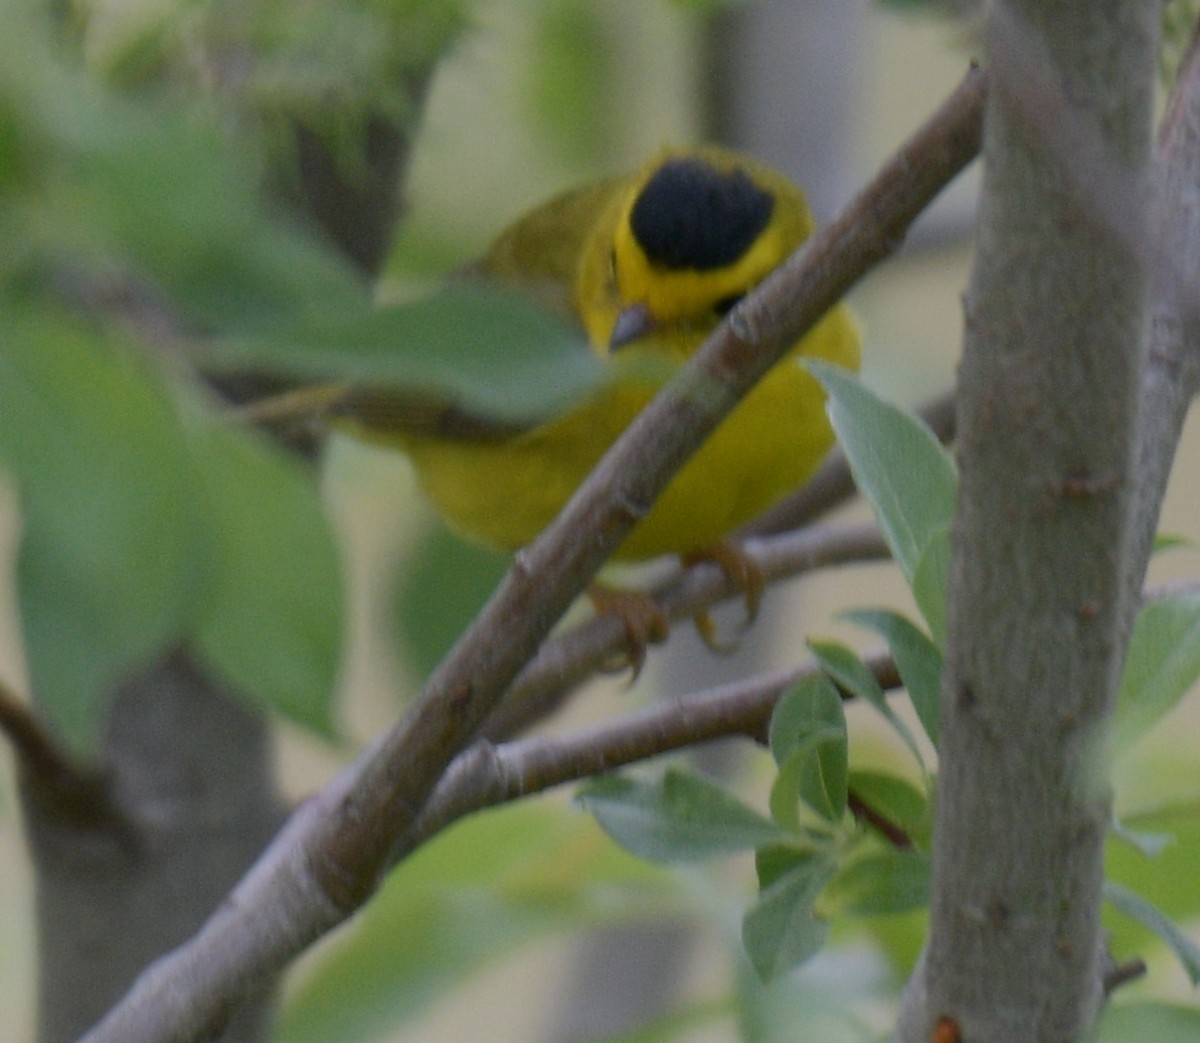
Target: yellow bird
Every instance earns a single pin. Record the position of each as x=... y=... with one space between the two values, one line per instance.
x=647 y=264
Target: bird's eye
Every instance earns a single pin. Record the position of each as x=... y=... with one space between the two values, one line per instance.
x=726 y=304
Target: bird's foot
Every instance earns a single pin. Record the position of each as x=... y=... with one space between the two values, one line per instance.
x=641 y=617
x=745 y=574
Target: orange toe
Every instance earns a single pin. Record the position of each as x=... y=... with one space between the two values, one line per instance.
x=641 y=617
x=744 y=573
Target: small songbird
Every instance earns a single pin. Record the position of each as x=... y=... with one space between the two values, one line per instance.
x=647 y=265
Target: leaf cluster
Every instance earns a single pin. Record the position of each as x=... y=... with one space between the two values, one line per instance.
x=852 y=841
x=139 y=258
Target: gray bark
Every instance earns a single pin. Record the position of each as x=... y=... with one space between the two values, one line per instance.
x=1041 y=589
x=189 y=807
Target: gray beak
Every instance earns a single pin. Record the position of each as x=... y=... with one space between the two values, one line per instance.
x=634 y=321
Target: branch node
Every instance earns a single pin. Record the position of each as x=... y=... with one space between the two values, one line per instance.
x=1119 y=974
x=65 y=790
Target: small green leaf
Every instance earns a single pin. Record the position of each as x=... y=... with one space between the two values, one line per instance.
x=273 y=617
x=775 y=861
x=1161 y=665
x=808 y=740
x=813 y=776
x=677 y=817
x=930 y=584
x=896 y=800
x=880 y=884
x=811 y=708
x=782 y=931
x=897 y=464
x=113 y=547
x=1149 y=916
x=917 y=659
x=852 y=674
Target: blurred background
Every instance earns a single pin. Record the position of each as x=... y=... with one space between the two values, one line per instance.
x=535 y=97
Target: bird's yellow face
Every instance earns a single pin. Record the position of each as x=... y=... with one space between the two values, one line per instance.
x=676 y=251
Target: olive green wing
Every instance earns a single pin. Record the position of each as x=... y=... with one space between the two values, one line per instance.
x=539 y=253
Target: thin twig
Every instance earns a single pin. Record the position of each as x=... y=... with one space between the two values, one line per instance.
x=487 y=774
x=568 y=660
x=38 y=755
x=63 y=788
x=878 y=821
x=1122 y=974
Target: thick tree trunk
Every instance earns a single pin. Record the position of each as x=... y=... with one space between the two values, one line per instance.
x=189 y=805
x=1041 y=597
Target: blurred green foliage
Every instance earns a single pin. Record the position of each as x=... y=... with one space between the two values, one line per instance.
x=140 y=252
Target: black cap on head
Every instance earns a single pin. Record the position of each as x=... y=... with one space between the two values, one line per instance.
x=691 y=215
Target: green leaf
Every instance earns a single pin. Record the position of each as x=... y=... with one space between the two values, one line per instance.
x=775 y=861
x=1149 y=916
x=782 y=930
x=273 y=616
x=476 y=345
x=116 y=185
x=896 y=800
x=677 y=817
x=897 y=464
x=486 y=886
x=1160 y=1022
x=814 y=776
x=917 y=659
x=808 y=740
x=879 y=884
x=811 y=708
x=852 y=674
x=1161 y=665
x=930 y=583
x=113 y=547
